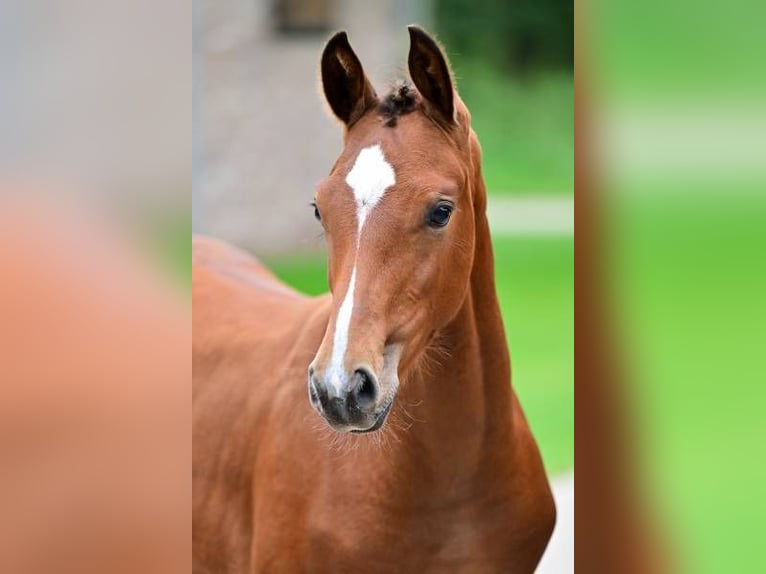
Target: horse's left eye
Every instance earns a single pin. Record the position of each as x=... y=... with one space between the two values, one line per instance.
x=440 y=214
x=317 y=215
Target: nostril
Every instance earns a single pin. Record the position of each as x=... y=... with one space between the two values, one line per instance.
x=367 y=390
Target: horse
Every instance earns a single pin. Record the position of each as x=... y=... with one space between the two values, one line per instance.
x=372 y=429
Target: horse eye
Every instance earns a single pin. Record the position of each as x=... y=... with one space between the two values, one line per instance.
x=440 y=214
x=317 y=215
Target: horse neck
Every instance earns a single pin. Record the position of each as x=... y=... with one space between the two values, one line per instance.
x=459 y=398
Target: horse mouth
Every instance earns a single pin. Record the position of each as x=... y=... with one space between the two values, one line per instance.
x=379 y=420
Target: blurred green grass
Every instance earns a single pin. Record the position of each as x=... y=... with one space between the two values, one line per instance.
x=525 y=126
x=693 y=51
x=689 y=279
x=535 y=287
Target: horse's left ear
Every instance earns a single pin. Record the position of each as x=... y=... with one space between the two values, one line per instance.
x=346 y=87
x=430 y=73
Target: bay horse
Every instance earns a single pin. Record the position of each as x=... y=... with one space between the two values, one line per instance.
x=373 y=429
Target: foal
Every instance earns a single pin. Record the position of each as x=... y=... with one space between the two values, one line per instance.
x=412 y=332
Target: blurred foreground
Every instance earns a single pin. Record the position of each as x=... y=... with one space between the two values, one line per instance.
x=95 y=404
x=670 y=288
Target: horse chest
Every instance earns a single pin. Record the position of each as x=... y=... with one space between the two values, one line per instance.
x=455 y=538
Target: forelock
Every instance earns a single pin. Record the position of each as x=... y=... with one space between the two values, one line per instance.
x=402 y=99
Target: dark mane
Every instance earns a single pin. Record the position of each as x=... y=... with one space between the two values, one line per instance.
x=402 y=99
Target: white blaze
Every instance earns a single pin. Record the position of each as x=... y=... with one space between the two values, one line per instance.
x=369 y=179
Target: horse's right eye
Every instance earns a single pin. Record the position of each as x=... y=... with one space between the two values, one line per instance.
x=317 y=215
x=440 y=214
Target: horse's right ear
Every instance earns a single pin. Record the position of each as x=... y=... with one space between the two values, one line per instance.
x=346 y=87
x=430 y=72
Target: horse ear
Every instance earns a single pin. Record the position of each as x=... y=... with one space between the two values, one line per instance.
x=346 y=87
x=430 y=72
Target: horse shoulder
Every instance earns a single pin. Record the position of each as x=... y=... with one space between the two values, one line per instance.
x=253 y=338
